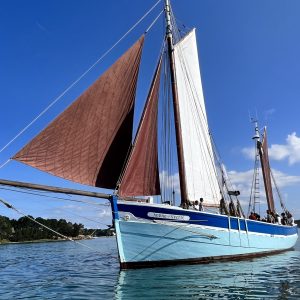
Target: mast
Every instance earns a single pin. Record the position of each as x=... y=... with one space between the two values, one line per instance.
x=255 y=184
x=262 y=147
x=182 y=175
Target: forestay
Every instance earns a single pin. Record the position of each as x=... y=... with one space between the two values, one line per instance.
x=201 y=177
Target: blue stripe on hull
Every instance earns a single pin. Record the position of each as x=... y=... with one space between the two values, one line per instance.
x=202 y=218
x=144 y=240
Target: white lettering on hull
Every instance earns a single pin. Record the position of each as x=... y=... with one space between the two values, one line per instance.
x=167 y=216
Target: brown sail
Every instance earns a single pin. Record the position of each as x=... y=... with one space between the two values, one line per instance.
x=89 y=141
x=141 y=176
x=265 y=165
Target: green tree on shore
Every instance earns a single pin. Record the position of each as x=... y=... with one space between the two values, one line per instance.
x=25 y=229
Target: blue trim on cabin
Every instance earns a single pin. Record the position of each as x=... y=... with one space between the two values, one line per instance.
x=213 y=220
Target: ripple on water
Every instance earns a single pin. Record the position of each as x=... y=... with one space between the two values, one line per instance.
x=68 y=271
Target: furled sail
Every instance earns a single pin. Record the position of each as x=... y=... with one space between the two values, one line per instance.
x=141 y=175
x=201 y=177
x=89 y=141
x=265 y=165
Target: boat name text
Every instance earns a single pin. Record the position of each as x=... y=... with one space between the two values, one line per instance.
x=167 y=216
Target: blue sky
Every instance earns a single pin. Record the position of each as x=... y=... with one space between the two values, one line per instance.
x=249 y=56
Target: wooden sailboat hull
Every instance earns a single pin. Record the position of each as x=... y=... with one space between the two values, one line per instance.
x=157 y=235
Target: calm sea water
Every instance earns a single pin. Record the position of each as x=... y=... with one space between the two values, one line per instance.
x=66 y=270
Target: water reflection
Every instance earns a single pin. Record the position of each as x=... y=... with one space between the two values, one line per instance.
x=272 y=277
x=65 y=271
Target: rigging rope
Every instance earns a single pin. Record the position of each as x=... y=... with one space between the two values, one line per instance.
x=198 y=123
x=154 y=22
x=225 y=180
x=278 y=192
x=8 y=205
x=167 y=116
x=86 y=218
x=5 y=163
x=77 y=80
x=40 y=194
x=53 y=197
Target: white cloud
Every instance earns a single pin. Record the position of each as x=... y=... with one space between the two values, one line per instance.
x=242 y=181
x=284 y=180
x=249 y=152
x=289 y=151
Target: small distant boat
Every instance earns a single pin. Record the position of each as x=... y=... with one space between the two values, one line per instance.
x=91 y=143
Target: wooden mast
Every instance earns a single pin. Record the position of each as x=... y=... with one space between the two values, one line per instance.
x=182 y=175
x=265 y=166
x=262 y=148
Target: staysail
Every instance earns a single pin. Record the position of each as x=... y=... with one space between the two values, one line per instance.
x=265 y=165
x=201 y=177
x=89 y=141
x=141 y=175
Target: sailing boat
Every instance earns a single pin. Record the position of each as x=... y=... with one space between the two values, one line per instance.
x=91 y=143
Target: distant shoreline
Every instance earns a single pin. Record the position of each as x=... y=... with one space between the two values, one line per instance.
x=5 y=242
x=30 y=242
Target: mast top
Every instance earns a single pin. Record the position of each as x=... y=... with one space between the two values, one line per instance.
x=168 y=19
x=256 y=136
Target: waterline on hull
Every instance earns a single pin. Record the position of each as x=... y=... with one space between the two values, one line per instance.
x=203 y=260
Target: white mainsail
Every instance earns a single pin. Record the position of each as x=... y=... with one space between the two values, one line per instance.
x=200 y=170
